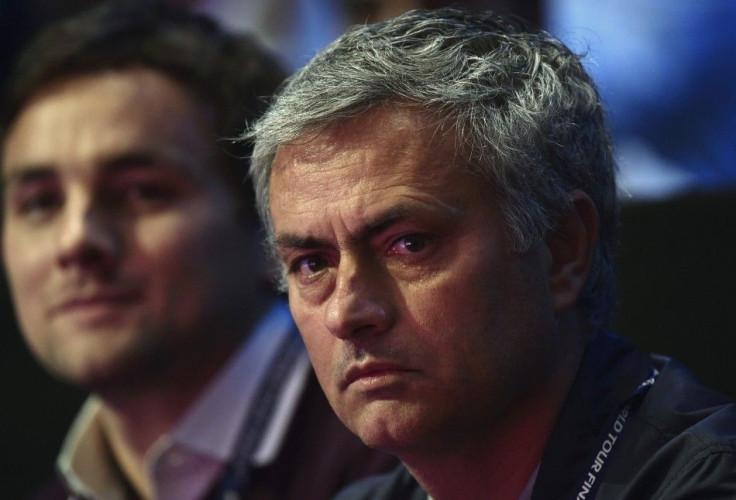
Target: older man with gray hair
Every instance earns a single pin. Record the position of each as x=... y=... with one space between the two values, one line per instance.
x=440 y=190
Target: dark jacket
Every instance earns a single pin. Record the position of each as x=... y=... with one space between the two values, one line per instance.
x=678 y=439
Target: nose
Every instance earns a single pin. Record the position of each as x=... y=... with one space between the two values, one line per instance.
x=360 y=302
x=87 y=238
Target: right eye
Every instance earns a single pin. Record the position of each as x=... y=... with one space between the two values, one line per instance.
x=310 y=266
x=146 y=194
x=38 y=203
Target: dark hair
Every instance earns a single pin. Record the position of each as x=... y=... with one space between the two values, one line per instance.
x=526 y=114
x=229 y=73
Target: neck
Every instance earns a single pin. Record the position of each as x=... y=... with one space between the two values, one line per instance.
x=130 y=437
x=501 y=463
x=136 y=414
x=504 y=459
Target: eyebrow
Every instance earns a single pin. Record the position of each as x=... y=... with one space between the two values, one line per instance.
x=370 y=229
x=165 y=160
x=294 y=241
x=115 y=163
x=31 y=173
x=384 y=220
x=131 y=160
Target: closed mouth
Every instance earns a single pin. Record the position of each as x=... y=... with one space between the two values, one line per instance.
x=96 y=300
x=372 y=370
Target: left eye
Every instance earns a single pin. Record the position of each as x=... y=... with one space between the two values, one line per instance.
x=150 y=192
x=409 y=244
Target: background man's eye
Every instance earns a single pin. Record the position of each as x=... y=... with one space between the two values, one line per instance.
x=150 y=192
x=39 y=204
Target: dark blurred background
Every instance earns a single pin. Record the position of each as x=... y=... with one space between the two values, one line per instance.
x=665 y=71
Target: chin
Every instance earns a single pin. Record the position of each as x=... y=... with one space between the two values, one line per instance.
x=388 y=428
x=92 y=377
x=100 y=372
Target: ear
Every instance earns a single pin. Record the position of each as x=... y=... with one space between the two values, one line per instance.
x=572 y=244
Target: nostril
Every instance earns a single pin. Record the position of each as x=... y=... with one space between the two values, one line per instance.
x=82 y=255
x=354 y=313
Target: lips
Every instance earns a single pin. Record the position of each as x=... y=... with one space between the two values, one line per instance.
x=95 y=301
x=373 y=373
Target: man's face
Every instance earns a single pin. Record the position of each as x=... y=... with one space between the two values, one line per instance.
x=121 y=244
x=422 y=324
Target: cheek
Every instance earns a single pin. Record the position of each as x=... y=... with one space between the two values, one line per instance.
x=166 y=241
x=319 y=342
x=28 y=267
x=445 y=307
x=177 y=259
x=25 y=256
x=457 y=319
x=179 y=248
x=28 y=272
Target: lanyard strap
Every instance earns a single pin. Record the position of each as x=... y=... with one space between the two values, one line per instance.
x=589 y=483
x=237 y=475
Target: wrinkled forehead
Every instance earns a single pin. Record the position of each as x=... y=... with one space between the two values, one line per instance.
x=386 y=152
x=405 y=129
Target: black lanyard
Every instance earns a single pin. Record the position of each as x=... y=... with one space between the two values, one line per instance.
x=589 y=483
x=237 y=475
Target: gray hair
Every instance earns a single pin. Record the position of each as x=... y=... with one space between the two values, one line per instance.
x=527 y=117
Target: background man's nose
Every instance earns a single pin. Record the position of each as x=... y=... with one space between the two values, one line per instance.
x=87 y=238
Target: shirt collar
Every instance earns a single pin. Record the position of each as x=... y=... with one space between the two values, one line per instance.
x=85 y=461
x=210 y=427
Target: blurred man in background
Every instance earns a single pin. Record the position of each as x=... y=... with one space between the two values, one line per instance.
x=134 y=263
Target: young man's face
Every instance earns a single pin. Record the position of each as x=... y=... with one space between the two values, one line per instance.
x=122 y=245
x=421 y=322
